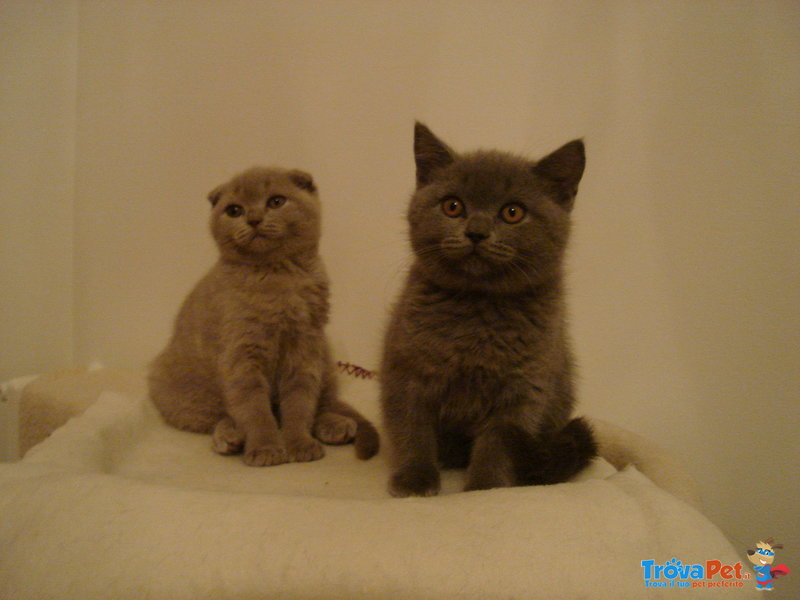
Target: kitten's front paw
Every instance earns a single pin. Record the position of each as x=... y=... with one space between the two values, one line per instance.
x=227 y=439
x=334 y=429
x=304 y=450
x=418 y=480
x=265 y=455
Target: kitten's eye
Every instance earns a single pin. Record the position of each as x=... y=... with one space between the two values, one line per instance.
x=276 y=201
x=512 y=213
x=234 y=210
x=452 y=207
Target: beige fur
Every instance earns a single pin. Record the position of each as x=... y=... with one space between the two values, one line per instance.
x=248 y=360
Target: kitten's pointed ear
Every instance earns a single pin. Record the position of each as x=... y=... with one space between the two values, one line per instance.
x=430 y=153
x=303 y=180
x=564 y=167
x=215 y=194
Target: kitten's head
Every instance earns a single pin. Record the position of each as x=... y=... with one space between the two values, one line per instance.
x=266 y=214
x=490 y=220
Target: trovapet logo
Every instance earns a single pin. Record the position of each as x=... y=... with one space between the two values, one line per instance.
x=710 y=574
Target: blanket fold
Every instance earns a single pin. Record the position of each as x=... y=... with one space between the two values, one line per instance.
x=115 y=504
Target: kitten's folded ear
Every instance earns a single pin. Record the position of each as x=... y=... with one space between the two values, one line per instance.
x=430 y=153
x=215 y=194
x=302 y=180
x=564 y=167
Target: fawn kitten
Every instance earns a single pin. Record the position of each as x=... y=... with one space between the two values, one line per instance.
x=249 y=360
x=477 y=371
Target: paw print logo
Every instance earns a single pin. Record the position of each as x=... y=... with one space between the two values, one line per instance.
x=672 y=568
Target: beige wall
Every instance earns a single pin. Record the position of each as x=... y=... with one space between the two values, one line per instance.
x=684 y=269
x=38 y=69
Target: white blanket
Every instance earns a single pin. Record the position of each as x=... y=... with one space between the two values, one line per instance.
x=117 y=505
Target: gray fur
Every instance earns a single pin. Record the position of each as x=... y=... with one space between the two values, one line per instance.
x=248 y=360
x=476 y=350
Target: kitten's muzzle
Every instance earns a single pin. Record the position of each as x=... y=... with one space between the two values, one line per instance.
x=271 y=231
x=479 y=227
x=476 y=237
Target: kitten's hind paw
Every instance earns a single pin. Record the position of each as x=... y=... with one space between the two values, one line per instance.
x=304 y=450
x=418 y=480
x=331 y=428
x=265 y=456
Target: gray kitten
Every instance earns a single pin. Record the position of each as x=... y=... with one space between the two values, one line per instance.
x=477 y=370
x=249 y=360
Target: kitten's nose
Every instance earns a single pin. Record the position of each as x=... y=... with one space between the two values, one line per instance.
x=478 y=228
x=476 y=236
x=254 y=221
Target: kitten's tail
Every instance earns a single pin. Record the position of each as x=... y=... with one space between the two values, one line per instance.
x=554 y=457
x=367 y=441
